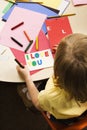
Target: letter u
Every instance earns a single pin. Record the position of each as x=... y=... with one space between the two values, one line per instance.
x=39 y=62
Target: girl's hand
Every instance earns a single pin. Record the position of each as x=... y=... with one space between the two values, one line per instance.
x=54 y=48
x=24 y=72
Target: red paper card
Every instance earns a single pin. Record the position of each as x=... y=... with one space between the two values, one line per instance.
x=57 y=28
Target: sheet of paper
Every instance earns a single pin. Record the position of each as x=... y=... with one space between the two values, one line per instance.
x=79 y=2
x=33 y=22
x=62 y=7
x=57 y=29
x=13 y=1
x=3 y=3
x=19 y=0
x=8 y=6
x=22 y=0
x=39 y=59
x=52 y=3
x=5 y=54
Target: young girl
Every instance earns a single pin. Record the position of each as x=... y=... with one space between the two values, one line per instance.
x=65 y=93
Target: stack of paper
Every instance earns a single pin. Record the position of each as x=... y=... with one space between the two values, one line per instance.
x=33 y=17
x=56 y=4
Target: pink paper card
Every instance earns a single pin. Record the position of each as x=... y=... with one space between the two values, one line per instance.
x=57 y=28
x=32 y=23
x=43 y=45
x=43 y=42
x=79 y=2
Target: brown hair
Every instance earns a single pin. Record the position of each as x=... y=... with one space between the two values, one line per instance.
x=70 y=66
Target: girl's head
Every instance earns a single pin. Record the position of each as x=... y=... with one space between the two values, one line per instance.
x=70 y=65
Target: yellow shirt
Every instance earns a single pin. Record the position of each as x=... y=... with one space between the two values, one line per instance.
x=57 y=102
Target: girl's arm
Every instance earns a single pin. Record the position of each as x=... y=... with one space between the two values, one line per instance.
x=33 y=92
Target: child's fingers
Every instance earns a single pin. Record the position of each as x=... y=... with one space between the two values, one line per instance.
x=54 y=48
